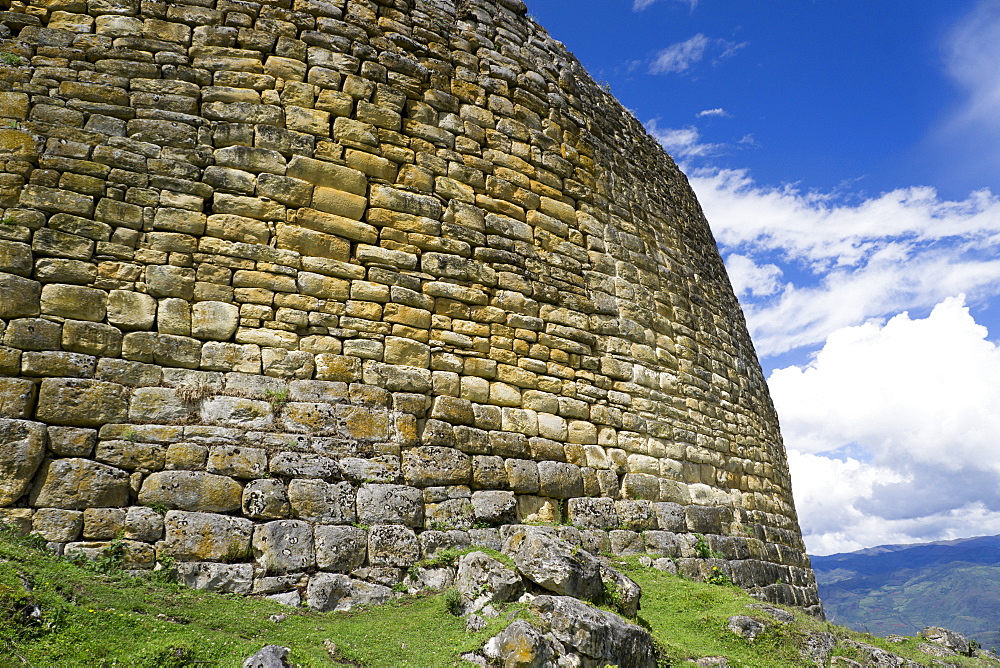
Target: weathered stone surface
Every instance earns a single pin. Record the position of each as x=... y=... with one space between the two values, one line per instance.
x=956 y=642
x=595 y=633
x=266 y=499
x=79 y=483
x=56 y=524
x=284 y=546
x=340 y=548
x=191 y=490
x=622 y=591
x=81 y=402
x=318 y=501
x=392 y=545
x=390 y=504
x=223 y=578
x=329 y=591
x=481 y=580
x=524 y=646
x=194 y=536
x=19 y=297
x=436 y=465
x=592 y=513
x=22 y=447
x=494 y=507
x=143 y=524
x=269 y=656
x=554 y=564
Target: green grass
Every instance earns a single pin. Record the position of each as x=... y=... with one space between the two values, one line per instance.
x=93 y=615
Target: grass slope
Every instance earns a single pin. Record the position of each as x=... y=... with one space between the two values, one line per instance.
x=90 y=618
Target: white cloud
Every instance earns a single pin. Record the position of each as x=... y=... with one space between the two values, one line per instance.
x=973 y=60
x=718 y=111
x=681 y=56
x=891 y=432
x=848 y=261
x=749 y=278
x=681 y=142
x=639 y=5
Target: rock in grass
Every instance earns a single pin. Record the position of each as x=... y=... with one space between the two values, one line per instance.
x=555 y=564
x=271 y=656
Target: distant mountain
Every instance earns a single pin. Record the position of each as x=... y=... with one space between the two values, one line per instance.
x=903 y=588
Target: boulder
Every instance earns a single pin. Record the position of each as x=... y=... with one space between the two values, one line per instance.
x=521 y=645
x=622 y=591
x=331 y=591
x=956 y=642
x=554 y=564
x=746 y=627
x=594 y=633
x=271 y=656
x=481 y=580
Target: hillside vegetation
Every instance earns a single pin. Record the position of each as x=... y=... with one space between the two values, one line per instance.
x=59 y=612
x=903 y=588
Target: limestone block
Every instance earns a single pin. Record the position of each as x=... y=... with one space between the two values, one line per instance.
x=522 y=475
x=75 y=484
x=494 y=507
x=16 y=258
x=197 y=536
x=237 y=412
x=33 y=334
x=237 y=461
x=73 y=301
x=170 y=281
x=489 y=472
x=281 y=363
x=453 y=410
x=342 y=368
x=266 y=498
x=340 y=549
x=304 y=465
x=333 y=592
x=670 y=516
x=191 y=490
x=641 y=486
x=338 y=225
x=339 y=202
x=662 y=543
x=392 y=545
x=395 y=378
x=520 y=421
x=131 y=455
x=22 y=447
x=53 y=199
x=318 y=501
x=218 y=356
x=435 y=465
x=560 y=480
x=361 y=423
x=47 y=241
x=91 y=338
x=284 y=546
x=71 y=441
x=592 y=513
x=214 y=321
x=382 y=469
x=636 y=515
x=144 y=524
x=222 y=578
x=57 y=525
x=55 y=363
x=390 y=504
x=131 y=310
x=103 y=523
x=707 y=519
x=158 y=405
x=81 y=402
x=17 y=398
x=532 y=509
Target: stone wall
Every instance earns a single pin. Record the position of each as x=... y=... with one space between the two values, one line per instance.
x=291 y=286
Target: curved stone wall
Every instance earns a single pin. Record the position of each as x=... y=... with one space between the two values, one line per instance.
x=296 y=285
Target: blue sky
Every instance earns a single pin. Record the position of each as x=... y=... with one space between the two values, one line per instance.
x=847 y=155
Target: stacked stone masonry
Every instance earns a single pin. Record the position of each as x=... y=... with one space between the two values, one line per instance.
x=321 y=286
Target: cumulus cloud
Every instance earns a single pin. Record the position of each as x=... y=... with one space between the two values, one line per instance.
x=891 y=432
x=750 y=278
x=849 y=261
